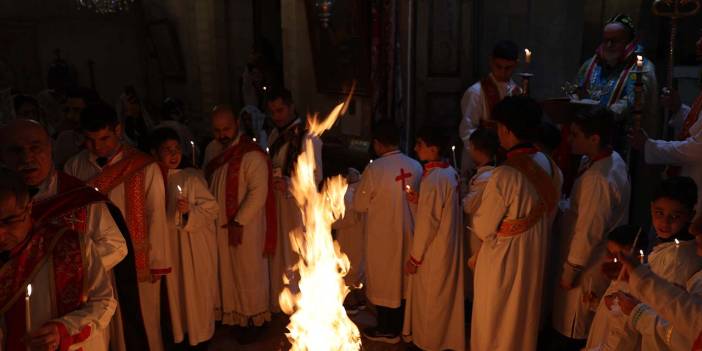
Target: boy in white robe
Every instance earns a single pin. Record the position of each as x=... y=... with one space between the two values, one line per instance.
x=620 y=240
x=599 y=202
x=351 y=236
x=482 y=148
x=513 y=222
x=481 y=97
x=673 y=257
x=239 y=173
x=191 y=213
x=434 y=316
x=389 y=225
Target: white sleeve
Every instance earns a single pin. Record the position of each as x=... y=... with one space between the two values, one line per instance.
x=203 y=205
x=429 y=209
x=365 y=191
x=254 y=168
x=157 y=224
x=96 y=313
x=682 y=152
x=472 y=115
x=594 y=212
x=471 y=201
x=493 y=205
x=109 y=240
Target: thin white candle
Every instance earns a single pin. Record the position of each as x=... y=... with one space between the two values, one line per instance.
x=268 y=151
x=641 y=256
x=408 y=188
x=527 y=56
x=192 y=145
x=677 y=243
x=28 y=309
x=639 y=62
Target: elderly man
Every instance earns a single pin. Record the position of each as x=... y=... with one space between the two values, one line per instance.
x=72 y=302
x=239 y=174
x=26 y=148
x=134 y=183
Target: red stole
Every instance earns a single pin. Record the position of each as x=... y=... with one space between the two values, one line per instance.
x=69 y=205
x=232 y=157
x=435 y=164
x=492 y=97
x=130 y=170
x=698 y=343
x=521 y=160
x=63 y=248
x=601 y=156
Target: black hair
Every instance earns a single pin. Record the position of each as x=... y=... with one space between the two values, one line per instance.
x=20 y=100
x=435 y=136
x=279 y=92
x=681 y=189
x=596 y=121
x=485 y=140
x=98 y=116
x=12 y=184
x=549 y=135
x=521 y=115
x=626 y=234
x=160 y=135
x=386 y=132
x=506 y=49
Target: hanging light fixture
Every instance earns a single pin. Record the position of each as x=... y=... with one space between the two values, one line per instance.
x=105 y=6
x=324 y=11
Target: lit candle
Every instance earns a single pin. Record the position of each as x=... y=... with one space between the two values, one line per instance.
x=677 y=243
x=371 y=161
x=615 y=260
x=254 y=140
x=268 y=151
x=641 y=256
x=265 y=88
x=639 y=62
x=453 y=155
x=180 y=190
x=28 y=310
x=96 y=189
x=192 y=145
x=408 y=188
x=527 y=56
x=179 y=216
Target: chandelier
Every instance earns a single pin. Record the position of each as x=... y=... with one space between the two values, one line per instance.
x=105 y=6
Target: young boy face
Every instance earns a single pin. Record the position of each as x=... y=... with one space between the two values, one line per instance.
x=426 y=152
x=477 y=155
x=169 y=154
x=669 y=216
x=579 y=142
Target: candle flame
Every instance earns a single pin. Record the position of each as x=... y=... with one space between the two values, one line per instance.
x=192 y=143
x=318 y=320
x=453 y=147
x=615 y=260
x=527 y=54
x=641 y=253
x=96 y=189
x=371 y=161
x=254 y=140
x=180 y=190
x=267 y=150
x=408 y=188
x=29 y=290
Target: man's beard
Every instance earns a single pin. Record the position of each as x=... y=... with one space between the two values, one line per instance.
x=611 y=58
x=225 y=141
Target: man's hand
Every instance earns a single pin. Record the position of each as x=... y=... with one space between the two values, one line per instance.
x=46 y=338
x=410 y=268
x=236 y=232
x=637 y=138
x=183 y=205
x=671 y=101
x=626 y=302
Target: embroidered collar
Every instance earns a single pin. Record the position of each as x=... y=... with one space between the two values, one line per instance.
x=434 y=164
x=523 y=148
x=591 y=161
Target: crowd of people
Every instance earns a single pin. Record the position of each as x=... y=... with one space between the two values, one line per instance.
x=112 y=237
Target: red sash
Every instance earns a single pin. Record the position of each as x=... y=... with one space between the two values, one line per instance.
x=232 y=158
x=698 y=343
x=69 y=205
x=130 y=170
x=64 y=248
x=492 y=97
x=537 y=177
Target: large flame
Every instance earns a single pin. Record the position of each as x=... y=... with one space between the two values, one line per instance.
x=318 y=321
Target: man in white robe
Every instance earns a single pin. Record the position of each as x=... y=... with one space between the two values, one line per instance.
x=70 y=302
x=239 y=173
x=134 y=183
x=481 y=97
x=191 y=212
x=434 y=317
x=381 y=194
x=285 y=143
x=599 y=202
x=513 y=222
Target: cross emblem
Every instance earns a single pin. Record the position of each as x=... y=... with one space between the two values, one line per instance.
x=402 y=176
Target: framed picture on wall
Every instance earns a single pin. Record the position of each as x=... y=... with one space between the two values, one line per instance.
x=340 y=38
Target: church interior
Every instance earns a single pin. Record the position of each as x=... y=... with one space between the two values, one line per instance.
x=406 y=61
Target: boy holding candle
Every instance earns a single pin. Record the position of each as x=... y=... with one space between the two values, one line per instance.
x=672 y=258
x=434 y=316
x=191 y=212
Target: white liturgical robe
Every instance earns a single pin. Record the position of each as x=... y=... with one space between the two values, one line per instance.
x=243 y=269
x=509 y=272
x=351 y=236
x=192 y=283
x=434 y=316
x=389 y=224
x=84 y=167
x=599 y=202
